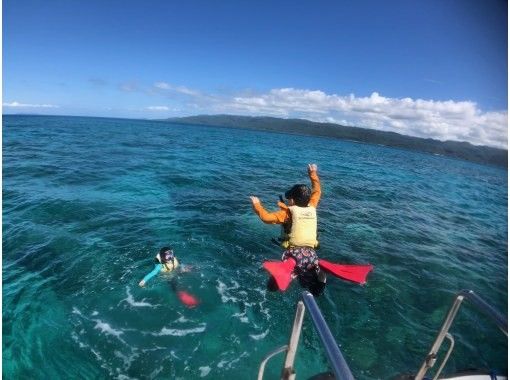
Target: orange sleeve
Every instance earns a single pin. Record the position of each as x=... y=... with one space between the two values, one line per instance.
x=316 y=189
x=277 y=217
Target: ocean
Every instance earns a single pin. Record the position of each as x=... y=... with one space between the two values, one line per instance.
x=88 y=202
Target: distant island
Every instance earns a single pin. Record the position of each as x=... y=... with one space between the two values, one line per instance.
x=455 y=149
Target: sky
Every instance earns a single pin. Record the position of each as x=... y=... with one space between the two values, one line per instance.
x=434 y=69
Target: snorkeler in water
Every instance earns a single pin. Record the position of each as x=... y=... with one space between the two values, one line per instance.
x=165 y=261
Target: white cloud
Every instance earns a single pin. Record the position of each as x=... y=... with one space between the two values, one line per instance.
x=178 y=89
x=162 y=85
x=26 y=105
x=436 y=119
x=442 y=120
x=158 y=108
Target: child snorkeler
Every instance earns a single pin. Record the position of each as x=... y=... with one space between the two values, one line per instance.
x=299 y=219
x=165 y=261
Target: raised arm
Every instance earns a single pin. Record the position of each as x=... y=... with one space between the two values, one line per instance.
x=277 y=217
x=155 y=271
x=316 y=185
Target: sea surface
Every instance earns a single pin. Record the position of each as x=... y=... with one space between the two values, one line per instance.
x=88 y=202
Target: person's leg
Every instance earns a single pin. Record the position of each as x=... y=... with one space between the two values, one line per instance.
x=173 y=283
x=314 y=281
x=317 y=287
x=271 y=284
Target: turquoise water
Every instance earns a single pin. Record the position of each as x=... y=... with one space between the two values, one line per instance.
x=87 y=202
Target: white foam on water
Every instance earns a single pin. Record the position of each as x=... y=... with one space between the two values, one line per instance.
x=259 y=336
x=130 y=300
x=229 y=364
x=127 y=273
x=181 y=332
x=174 y=355
x=124 y=377
x=235 y=339
x=204 y=371
x=262 y=291
x=75 y=337
x=107 y=329
x=94 y=313
x=98 y=356
x=197 y=347
x=182 y=319
x=265 y=310
x=244 y=354
x=125 y=358
x=157 y=348
x=242 y=317
x=155 y=373
x=223 y=289
x=103 y=362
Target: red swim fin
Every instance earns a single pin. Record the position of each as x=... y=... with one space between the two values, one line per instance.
x=281 y=271
x=187 y=299
x=354 y=273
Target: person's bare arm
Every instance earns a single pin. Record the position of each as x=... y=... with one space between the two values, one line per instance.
x=316 y=185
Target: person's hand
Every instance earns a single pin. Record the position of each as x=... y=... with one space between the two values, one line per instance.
x=186 y=269
x=142 y=283
x=254 y=200
x=312 y=168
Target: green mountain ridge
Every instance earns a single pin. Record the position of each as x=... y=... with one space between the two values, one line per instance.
x=456 y=149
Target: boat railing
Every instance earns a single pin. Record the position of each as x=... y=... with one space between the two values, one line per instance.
x=443 y=333
x=339 y=367
x=338 y=364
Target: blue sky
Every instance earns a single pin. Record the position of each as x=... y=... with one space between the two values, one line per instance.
x=426 y=68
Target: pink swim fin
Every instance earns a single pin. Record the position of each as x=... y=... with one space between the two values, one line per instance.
x=281 y=271
x=187 y=299
x=354 y=273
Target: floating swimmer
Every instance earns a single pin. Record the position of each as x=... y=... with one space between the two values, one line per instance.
x=165 y=261
x=299 y=237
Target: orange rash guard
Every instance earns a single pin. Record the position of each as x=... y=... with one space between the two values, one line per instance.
x=282 y=215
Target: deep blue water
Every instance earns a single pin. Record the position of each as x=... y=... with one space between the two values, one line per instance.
x=87 y=202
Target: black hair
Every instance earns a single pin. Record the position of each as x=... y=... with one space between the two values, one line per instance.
x=300 y=194
x=166 y=254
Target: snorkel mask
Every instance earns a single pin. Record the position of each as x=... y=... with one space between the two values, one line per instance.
x=166 y=254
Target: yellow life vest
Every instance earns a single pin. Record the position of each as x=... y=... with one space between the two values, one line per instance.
x=168 y=266
x=303 y=232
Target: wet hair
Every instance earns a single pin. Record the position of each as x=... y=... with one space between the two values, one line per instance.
x=166 y=254
x=300 y=194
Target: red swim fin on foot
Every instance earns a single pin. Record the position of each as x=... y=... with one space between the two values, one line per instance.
x=281 y=271
x=354 y=273
x=187 y=299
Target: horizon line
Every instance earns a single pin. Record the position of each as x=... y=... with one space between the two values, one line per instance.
x=248 y=116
